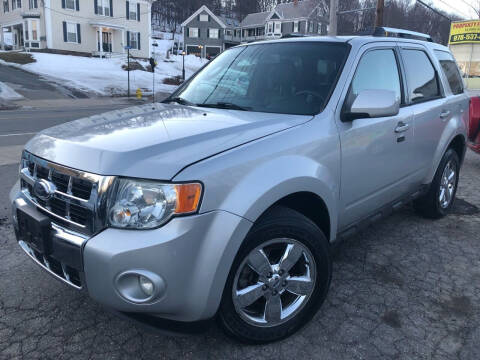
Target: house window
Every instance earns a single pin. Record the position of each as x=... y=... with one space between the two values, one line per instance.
x=72 y=35
x=103 y=7
x=203 y=17
x=26 y=30
x=5 y=6
x=213 y=33
x=295 y=26
x=16 y=4
x=132 y=11
x=133 y=40
x=310 y=27
x=70 y=4
x=228 y=32
x=35 y=30
x=319 y=28
x=270 y=27
x=278 y=27
x=193 y=32
x=33 y=4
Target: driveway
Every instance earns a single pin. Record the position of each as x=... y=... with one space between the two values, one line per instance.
x=405 y=288
x=35 y=87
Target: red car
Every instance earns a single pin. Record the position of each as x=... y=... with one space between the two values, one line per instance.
x=474 y=125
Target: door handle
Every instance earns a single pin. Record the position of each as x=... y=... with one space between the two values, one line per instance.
x=444 y=114
x=401 y=127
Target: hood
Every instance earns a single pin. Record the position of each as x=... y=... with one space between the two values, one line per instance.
x=153 y=141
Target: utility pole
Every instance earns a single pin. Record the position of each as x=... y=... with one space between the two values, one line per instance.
x=332 y=28
x=379 y=14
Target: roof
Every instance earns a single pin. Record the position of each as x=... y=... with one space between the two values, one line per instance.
x=291 y=10
x=255 y=19
x=294 y=11
x=209 y=12
x=229 y=22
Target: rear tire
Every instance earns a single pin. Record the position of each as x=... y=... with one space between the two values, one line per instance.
x=440 y=197
x=285 y=266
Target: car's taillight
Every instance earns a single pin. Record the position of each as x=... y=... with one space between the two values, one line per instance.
x=474 y=119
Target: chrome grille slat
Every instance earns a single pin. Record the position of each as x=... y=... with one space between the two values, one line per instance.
x=64 y=275
x=77 y=200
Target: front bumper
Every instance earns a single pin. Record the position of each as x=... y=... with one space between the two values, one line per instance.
x=190 y=257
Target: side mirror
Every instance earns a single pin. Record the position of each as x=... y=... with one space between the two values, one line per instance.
x=372 y=104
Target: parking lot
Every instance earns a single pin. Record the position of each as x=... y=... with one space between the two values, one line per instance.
x=404 y=288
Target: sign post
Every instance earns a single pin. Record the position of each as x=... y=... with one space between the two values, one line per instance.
x=128 y=67
x=153 y=64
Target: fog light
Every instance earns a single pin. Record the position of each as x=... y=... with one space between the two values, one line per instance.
x=146 y=285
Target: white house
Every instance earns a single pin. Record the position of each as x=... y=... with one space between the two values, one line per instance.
x=95 y=27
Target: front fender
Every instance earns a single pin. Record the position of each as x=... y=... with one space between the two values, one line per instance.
x=278 y=180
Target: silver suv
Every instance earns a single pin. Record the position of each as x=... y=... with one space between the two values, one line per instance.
x=225 y=200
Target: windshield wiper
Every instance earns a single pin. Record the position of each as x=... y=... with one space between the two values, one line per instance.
x=179 y=100
x=225 y=105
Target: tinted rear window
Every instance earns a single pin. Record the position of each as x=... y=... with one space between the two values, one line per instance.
x=450 y=69
x=421 y=77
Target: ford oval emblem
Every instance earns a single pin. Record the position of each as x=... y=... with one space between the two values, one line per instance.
x=43 y=189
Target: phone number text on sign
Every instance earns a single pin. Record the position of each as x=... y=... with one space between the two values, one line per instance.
x=465 y=37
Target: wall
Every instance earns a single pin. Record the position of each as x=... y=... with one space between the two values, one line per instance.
x=86 y=15
x=203 y=27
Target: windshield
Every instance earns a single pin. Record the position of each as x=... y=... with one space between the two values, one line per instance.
x=285 y=77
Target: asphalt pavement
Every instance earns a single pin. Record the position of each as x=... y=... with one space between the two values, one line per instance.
x=36 y=87
x=405 y=288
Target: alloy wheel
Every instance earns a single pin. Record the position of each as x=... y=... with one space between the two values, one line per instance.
x=448 y=182
x=274 y=282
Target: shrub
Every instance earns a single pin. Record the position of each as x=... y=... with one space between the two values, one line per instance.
x=175 y=80
x=17 y=57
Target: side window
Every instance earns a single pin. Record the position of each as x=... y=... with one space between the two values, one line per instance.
x=421 y=76
x=377 y=70
x=450 y=69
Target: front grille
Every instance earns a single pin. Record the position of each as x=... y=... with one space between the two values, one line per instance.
x=76 y=201
x=61 y=270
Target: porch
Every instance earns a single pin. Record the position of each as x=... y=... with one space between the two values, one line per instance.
x=110 y=40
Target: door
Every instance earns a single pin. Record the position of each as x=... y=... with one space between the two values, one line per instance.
x=425 y=96
x=376 y=164
x=107 y=41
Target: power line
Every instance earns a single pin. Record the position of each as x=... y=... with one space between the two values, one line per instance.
x=439 y=13
x=477 y=11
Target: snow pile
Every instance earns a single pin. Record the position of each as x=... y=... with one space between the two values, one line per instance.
x=106 y=76
x=7 y=93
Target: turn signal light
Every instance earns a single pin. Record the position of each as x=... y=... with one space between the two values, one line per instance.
x=188 y=197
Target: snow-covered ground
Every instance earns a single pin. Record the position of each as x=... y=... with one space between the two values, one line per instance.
x=7 y=93
x=106 y=76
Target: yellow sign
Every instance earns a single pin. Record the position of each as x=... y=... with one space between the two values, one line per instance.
x=462 y=32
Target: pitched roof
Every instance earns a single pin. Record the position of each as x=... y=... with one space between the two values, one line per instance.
x=255 y=19
x=208 y=11
x=230 y=22
x=291 y=10
x=299 y=10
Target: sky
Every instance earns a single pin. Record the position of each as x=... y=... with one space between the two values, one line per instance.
x=459 y=7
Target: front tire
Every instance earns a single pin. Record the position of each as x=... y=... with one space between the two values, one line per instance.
x=279 y=278
x=440 y=197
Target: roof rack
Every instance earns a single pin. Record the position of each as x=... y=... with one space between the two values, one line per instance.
x=392 y=32
x=400 y=33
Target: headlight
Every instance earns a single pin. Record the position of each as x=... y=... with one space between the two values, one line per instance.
x=145 y=204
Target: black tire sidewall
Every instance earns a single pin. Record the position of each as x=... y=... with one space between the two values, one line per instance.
x=450 y=155
x=290 y=224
